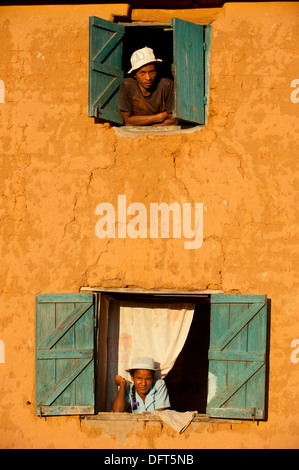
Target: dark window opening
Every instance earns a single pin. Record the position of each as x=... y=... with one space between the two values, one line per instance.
x=187 y=382
x=160 y=39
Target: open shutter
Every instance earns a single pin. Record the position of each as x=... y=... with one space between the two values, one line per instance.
x=65 y=354
x=189 y=72
x=237 y=356
x=105 y=69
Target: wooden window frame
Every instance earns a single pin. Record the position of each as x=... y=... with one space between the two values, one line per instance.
x=104 y=297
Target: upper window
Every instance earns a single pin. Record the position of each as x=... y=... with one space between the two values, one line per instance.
x=220 y=369
x=183 y=47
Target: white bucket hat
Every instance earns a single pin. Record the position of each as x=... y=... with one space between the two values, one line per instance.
x=143 y=363
x=142 y=57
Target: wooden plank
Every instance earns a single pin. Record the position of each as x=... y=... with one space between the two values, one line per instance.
x=112 y=42
x=107 y=69
x=228 y=336
x=84 y=334
x=237 y=298
x=152 y=130
x=257 y=335
x=64 y=326
x=106 y=94
x=151 y=417
x=217 y=369
x=247 y=413
x=238 y=344
x=67 y=340
x=65 y=410
x=45 y=354
x=208 y=33
x=103 y=354
x=44 y=370
x=146 y=25
x=239 y=356
x=105 y=24
x=228 y=391
x=55 y=298
x=64 y=382
x=132 y=290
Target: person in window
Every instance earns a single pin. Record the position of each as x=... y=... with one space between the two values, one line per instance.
x=145 y=99
x=144 y=393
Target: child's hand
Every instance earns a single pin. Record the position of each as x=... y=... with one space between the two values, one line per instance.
x=120 y=380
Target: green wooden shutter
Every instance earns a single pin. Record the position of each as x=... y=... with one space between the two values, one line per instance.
x=237 y=356
x=65 y=354
x=105 y=69
x=189 y=71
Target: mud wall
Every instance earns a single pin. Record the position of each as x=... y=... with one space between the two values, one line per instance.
x=57 y=165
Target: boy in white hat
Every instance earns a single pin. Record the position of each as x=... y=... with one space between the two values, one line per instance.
x=144 y=98
x=145 y=393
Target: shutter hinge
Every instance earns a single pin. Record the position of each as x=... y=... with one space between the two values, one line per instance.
x=205 y=100
x=95 y=322
x=205 y=46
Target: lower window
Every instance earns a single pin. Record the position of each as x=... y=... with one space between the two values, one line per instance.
x=212 y=350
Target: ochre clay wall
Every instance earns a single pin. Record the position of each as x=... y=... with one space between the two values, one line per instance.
x=57 y=165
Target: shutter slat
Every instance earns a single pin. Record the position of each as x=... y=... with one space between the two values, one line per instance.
x=240 y=356
x=237 y=299
x=237 y=341
x=64 y=298
x=64 y=353
x=245 y=413
x=66 y=410
x=107 y=70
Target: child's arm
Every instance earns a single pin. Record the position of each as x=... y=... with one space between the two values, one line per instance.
x=120 y=405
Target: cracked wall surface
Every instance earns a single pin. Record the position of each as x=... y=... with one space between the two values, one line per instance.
x=57 y=165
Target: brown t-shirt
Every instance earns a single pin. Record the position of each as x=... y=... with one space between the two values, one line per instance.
x=131 y=100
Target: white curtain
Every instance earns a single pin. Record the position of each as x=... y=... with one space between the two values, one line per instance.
x=155 y=330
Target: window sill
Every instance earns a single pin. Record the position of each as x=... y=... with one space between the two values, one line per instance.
x=138 y=131
x=148 y=417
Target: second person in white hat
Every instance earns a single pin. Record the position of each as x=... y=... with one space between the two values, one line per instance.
x=145 y=99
